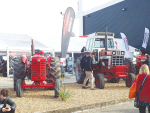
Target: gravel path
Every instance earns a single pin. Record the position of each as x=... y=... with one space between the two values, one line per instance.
x=41 y=99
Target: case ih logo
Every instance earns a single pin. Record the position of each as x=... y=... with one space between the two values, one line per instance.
x=146 y=36
x=126 y=43
x=67 y=23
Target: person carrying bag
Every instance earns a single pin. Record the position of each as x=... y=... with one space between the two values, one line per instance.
x=140 y=90
x=137 y=102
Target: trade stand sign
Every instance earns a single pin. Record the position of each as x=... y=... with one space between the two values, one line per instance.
x=62 y=61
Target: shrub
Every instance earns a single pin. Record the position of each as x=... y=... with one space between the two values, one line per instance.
x=63 y=94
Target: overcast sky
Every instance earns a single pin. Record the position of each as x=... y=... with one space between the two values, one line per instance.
x=39 y=18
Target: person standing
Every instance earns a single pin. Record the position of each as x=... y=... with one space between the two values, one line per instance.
x=147 y=61
x=144 y=94
x=5 y=100
x=89 y=71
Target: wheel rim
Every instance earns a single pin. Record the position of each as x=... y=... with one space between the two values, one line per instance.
x=97 y=82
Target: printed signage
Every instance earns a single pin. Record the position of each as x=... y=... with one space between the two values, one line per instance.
x=124 y=38
x=146 y=37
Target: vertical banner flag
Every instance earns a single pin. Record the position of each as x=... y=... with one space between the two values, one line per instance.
x=66 y=30
x=146 y=37
x=125 y=41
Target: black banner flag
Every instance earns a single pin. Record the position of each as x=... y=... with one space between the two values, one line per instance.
x=66 y=30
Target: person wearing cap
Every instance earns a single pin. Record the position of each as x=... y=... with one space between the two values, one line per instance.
x=89 y=71
x=147 y=61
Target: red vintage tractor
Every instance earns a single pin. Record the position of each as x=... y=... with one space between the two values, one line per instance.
x=108 y=63
x=140 y=58
x=44 y=72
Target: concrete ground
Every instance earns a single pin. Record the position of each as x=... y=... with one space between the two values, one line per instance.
x=69 y=78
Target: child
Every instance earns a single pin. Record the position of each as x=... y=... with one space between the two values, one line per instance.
x=5 y=100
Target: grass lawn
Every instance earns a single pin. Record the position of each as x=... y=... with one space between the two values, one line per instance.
x=1 y=75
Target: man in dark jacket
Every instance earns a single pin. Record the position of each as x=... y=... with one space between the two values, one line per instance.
x=83 y=61
x=5 y=100
x=89 y=71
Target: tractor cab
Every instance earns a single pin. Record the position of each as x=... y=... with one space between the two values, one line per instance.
x=96 y=43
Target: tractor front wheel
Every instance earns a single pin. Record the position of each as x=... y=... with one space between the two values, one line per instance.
x=99 y=81
x=19 y=91
x=57 y=85
x=130 y=68
x=80 y=74
x=130 y=79
x=14 y=83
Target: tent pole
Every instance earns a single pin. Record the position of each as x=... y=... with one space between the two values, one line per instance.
x=53 y=53
x=7 y=62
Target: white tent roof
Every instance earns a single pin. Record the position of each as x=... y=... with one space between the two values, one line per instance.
x=20 y=42
x=75 y=44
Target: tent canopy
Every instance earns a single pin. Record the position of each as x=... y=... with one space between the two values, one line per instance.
x=20 y=41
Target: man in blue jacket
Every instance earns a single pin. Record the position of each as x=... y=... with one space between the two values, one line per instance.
x=89 y=71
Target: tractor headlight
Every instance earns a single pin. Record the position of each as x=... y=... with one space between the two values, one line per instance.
x=122 y=52
x=113 y=52
x=38 y=60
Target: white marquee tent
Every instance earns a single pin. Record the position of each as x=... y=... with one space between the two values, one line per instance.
x=19 y=43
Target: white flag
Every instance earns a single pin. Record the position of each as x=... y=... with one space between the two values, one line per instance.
x=146 y=37
x=125 y=41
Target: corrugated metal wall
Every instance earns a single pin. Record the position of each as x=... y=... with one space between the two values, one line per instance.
x=132 y=21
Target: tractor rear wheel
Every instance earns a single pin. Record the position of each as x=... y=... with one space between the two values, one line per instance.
x=57 y=85
x=19 y=92
x=19 y=70
x=55 y=70
x=80 y=74
x=130 y=79
x=14 y=83
x=130 y=68
x=99 y=81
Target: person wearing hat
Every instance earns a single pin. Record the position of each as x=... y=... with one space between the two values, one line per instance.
x=89 y=71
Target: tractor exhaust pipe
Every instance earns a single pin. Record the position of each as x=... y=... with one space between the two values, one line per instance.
x=106 y=39
x=32 y=48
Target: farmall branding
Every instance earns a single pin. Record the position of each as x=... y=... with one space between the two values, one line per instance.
x=126 y=43
x=146 y=36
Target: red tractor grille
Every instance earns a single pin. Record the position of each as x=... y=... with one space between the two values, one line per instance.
x=38 y=68
x=117 y=60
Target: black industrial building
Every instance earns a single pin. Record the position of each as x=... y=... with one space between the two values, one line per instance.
x=129 y=17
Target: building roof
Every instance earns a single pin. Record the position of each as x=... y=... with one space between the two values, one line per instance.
x=126 y=16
